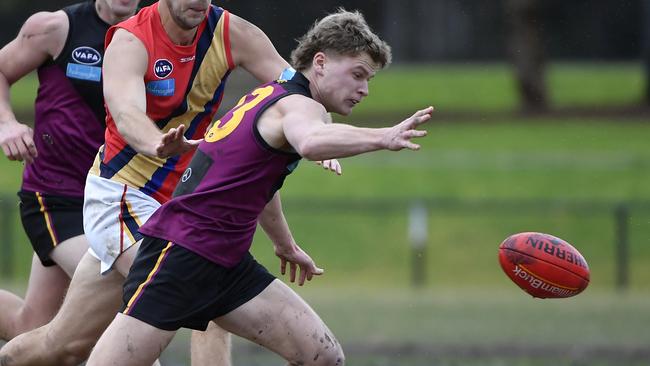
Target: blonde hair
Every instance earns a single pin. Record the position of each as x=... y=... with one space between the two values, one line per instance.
x=345 y=33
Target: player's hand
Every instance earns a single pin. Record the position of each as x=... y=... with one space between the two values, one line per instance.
x=174 y=143
x=17 y=141
x=399 y=136
x=296 y=257
x=331 y=165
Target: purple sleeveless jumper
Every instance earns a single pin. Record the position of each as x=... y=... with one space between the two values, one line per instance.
x=69 y=108
x=231 y=178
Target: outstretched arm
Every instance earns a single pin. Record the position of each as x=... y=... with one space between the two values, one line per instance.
x=332 y=165
x=303 y=124
x=276 y=228
x=41 y=37
x=125 y=96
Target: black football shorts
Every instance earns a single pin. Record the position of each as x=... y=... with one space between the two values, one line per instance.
x=171 y=287
x=50 y=220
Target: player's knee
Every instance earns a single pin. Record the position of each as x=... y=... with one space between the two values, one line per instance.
x=74 y=353
x=5 y=357
x=328 y=355
x=332 y=357
x=28 y=319
x=70 y=353
x=10 y=353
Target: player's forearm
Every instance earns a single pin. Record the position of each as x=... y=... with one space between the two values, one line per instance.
x=275 y=224
x=337 y=140
x=6 y=113
x=138 y=130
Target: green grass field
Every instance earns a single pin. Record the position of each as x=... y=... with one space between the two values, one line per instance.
x=484 y=179
x=491 y=87
x=557 y=161
x=479 y=326
x=470 y=87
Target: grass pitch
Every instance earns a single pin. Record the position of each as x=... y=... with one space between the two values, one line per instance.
x=485 y=179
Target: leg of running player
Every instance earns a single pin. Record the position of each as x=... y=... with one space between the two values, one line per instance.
x=129 y=342
x=211 y=347
x=116 y=347
x=208 y=348
x=68 y=254
x=88 y=308
x=90 y=305
x=283 y=322
x=277 y=318
x=45 y=290
x=122 y=265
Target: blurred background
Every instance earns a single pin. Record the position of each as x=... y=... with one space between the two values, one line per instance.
x=542 y=123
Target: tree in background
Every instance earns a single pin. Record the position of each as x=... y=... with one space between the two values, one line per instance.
x=527 y=52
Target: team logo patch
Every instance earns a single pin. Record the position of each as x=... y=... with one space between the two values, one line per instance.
x=161 y=88
x=186 y=176
x=86 y=55
x=162 y=68
x=83 y=72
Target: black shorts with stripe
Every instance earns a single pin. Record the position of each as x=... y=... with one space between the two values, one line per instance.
x=49 y=220
x=171 y=287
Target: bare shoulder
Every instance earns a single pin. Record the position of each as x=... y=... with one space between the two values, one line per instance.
x=253 y=50
x=46 y=22
x=126 y=43
x=287 y=111
x=241 y=27
x=244 y=34
x=123 y=36
x=47 y=31
x=125 y=64
x=301 y=105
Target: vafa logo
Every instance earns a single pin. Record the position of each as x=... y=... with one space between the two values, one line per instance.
x=162 y=68
x=86 y=55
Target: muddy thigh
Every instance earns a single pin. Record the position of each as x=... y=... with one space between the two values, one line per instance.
x=281 y=321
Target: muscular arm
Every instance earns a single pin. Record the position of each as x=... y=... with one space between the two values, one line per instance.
x=125 y=97
x=304 y=127
x=125 y=93
x=42 y=37
x=252 y=50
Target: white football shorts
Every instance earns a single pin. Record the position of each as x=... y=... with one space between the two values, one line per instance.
x=112 y=213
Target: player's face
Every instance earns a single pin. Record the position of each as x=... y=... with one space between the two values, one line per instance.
x=345 y=82
x=122 y=8
x=188 y=14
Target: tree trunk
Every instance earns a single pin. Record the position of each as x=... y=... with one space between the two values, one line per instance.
x=527 y=52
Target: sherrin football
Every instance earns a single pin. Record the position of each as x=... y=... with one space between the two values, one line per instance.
x=544 y=266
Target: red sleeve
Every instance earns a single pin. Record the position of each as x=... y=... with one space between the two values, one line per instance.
x=226 y=39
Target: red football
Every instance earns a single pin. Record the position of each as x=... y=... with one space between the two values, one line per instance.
x=543 y=265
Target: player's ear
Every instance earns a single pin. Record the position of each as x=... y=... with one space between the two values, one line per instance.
x=318 y=62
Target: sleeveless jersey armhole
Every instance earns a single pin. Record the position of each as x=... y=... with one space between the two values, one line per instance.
x=226 y=39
